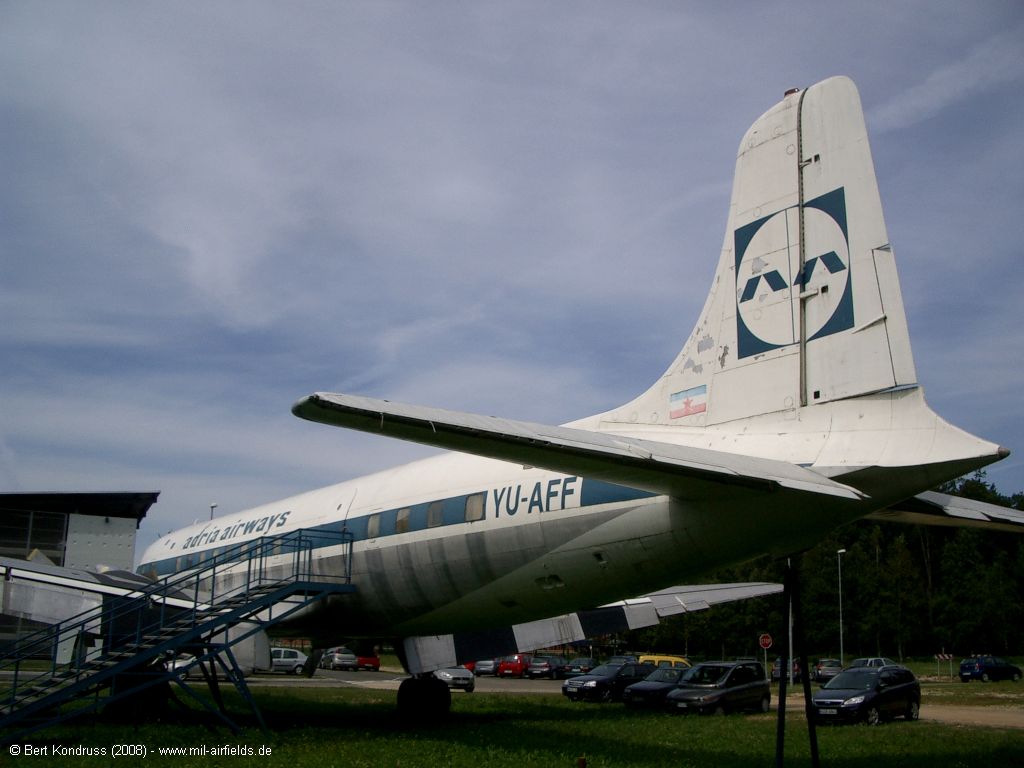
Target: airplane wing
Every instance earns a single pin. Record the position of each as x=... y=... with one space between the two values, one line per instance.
x=931 y=508
x=425 y=654
x=646 y=464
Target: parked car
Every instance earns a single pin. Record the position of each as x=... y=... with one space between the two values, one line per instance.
x=987 y=668
x=623 y=659
x=547 y=666
x=657 y=660
x=651 y=691
x=874 y=661
x=868 y=694
x=287 y=660
x=777 y=670
x=371 y=662
x=185 y=667
x=457 y=678
x=604 y=683
x=339 y=658
x=485 y=667
x=718 y=687
x=580 y=666
x=514 y=666
x=826 y=669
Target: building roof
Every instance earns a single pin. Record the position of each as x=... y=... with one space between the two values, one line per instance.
x=130 y=504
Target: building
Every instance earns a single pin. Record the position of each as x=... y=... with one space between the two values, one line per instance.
x=75 y=530
x=90 y=531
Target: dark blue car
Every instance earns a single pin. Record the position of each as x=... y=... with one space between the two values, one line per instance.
x=988 y=668
x=651 y=691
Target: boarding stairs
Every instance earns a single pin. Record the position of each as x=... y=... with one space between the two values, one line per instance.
x=260 y=582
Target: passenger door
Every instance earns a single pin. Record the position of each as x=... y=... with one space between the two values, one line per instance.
x=890 y=701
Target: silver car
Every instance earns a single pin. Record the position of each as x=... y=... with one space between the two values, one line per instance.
x=457 y=678
x=287 y=660
x=339 y=658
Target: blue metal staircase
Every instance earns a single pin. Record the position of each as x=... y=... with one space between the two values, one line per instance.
x=262 y=581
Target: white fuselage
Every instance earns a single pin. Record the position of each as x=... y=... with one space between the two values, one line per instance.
x=458 y=542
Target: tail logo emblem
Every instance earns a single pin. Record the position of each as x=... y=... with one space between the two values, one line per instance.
x=770 y=281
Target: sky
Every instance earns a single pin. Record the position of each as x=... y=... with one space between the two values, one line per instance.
x=212 y=209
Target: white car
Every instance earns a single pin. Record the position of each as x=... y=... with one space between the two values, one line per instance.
x=458 y=678
x=874 y=661
x=287 y=660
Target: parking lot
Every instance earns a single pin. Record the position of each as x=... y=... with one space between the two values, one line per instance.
x=993 y=716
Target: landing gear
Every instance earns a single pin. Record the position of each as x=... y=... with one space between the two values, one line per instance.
x=423 y=699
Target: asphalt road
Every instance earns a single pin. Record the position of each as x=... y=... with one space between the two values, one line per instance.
x=993 y=716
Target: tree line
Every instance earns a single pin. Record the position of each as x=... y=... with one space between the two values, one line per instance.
x=907 y=591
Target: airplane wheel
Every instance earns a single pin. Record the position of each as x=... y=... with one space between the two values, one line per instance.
x=422 y=699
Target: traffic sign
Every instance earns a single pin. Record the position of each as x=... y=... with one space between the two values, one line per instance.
x=765 y=640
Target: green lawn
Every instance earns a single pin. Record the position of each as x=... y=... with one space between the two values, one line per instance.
x=322 y=728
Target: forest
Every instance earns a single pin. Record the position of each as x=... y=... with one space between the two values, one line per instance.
x=908 y=591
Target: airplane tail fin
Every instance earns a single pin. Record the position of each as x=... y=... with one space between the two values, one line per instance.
x=805 y=307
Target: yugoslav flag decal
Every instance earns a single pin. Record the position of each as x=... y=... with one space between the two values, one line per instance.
x=688 y=402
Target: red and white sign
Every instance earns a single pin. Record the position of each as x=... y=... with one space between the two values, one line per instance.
x=765 y=640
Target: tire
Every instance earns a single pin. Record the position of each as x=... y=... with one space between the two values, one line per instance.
x=913 y=710
x=718 y=711
x=1016 y=677
x=985 y=678
x=872 y=716
x=766 y=703
x=297 y=669
x=423 y=700
x=471 y=687
x=605 y=696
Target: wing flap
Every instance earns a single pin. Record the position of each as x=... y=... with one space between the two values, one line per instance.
x=646 y=464
x=425 y=654
x=932 y=508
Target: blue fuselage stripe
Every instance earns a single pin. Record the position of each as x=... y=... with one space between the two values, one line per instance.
x=449 y=511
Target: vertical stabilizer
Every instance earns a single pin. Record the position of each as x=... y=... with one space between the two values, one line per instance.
x=805 y=307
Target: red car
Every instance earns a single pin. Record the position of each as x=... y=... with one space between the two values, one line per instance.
x=369 y=662
x=514 y=666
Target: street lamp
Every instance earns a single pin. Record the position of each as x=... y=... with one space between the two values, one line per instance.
x=214 y=506
x=839 y=562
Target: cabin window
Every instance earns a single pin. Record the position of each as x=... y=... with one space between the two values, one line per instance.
x=435 y=514
x=402 y=521
x=373 y=527
x=474 y=507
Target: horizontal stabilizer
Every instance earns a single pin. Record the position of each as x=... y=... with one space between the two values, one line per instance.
x=649 y=465
x=425 y=654
x=933 y=508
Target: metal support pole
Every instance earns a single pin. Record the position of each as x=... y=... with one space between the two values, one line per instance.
x=791 y=592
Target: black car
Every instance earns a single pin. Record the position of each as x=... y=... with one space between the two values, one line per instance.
x=606 y=682
x=547 y=666
x=718 y=687
x=868 y=694
x=988 y=668
x=580 y=665
x=651 y=691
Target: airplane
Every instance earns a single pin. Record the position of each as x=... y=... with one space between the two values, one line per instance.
x=792 y=409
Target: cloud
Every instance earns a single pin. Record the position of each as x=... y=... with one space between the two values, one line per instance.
x=986 y=66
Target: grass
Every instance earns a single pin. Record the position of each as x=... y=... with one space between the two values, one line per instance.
x=351 y=728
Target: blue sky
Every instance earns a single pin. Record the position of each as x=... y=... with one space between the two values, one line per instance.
x=210 y=210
